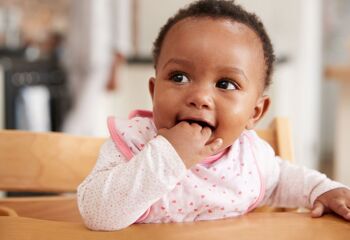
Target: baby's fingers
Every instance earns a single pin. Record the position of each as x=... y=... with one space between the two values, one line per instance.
x=206 y=133
x=317 y=210
x=341 y=208
x=212 y=147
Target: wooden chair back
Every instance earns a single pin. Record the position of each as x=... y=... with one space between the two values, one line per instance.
x=58 y=163
x=279 y=136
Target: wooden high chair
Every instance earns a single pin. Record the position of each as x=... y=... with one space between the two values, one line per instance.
x=57 y=163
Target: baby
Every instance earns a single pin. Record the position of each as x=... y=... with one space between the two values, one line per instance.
x=196 y=156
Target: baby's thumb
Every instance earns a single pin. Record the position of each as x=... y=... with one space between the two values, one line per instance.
x=214 y=146
x=317 y=209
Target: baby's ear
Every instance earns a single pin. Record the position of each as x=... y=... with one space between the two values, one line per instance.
x=151 y=84
x=260 y=109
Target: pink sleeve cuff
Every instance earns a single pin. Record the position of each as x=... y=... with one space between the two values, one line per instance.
x=144 y=216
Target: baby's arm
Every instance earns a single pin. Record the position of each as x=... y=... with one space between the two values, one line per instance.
x=289 y=185
x=118 y=192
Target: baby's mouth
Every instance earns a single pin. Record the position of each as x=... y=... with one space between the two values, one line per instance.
x=201 y=123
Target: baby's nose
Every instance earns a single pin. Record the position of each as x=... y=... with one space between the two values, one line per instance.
x=200 y=98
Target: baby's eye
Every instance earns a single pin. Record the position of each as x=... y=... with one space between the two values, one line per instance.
x=226 y=84
x=179 y=78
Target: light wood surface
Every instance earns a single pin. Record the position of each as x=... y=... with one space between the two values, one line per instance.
x=251 y=226
x=57 y=162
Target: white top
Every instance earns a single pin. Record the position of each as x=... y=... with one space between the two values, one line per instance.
x=139 y=177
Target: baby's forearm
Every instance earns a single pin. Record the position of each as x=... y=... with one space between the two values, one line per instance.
x=298 y=186
x=114 y=196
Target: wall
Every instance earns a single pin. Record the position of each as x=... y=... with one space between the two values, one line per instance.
x=133 y=93
x=153 y=14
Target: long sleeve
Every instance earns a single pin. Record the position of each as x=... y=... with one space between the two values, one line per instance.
x=289 y=185
x=118 y=192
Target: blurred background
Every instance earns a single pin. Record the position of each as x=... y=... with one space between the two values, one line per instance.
x=67 y=65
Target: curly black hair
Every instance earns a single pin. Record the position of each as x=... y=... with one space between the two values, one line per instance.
x=218 y=9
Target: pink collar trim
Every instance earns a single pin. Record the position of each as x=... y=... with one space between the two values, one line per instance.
x=213 y=158
x=140 y=113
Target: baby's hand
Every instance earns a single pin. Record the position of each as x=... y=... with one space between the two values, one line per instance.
x=336 y=200
x=190 y=142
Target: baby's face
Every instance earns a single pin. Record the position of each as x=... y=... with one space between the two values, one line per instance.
x=210 y=72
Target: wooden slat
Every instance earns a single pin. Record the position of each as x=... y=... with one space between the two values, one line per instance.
x=284 y=138
x=53 y=162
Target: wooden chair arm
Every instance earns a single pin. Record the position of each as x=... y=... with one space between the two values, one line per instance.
x=6 y=211
x=58 y=208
